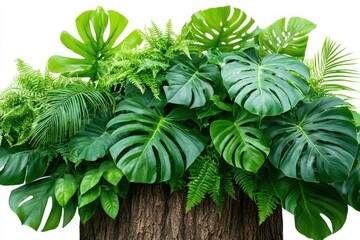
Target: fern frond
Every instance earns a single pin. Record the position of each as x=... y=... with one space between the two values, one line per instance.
x=200 y=185
x=247 y=181
x=64 y=111
x=332 y=71
x=266 y=201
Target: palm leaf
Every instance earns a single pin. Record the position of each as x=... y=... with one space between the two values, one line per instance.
x=332 y=71
x=65 y=109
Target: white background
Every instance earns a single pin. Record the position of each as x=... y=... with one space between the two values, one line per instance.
x=30 y=30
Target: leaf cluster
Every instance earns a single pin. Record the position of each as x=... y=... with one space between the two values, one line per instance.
x=221 y=106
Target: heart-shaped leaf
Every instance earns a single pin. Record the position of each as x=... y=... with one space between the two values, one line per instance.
x=286 y=37
x=90 y=179
x=109 y=202
x=315 y=142
x=190 y=80
x=240 y=142
x=225 y=28
x=153 y=147
x=266 y=88
x=65 y=188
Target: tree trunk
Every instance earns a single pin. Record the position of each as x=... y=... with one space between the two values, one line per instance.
x=151 y=213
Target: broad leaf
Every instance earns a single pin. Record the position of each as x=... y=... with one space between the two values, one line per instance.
x=286 y=37
x=90 y=179
x=30 y=200
x=315 y=142
x=19 y=165
x=190 y=80
x=91 y=26
x=65 y=188
x=109 y=202
x=225 y=28
x=308 y=202
x=155 y=147
x=112 y=173
x=239 y=141
x=93 y=142
x=266 y=88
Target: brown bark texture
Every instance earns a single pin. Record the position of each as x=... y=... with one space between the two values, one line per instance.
x=150 y=212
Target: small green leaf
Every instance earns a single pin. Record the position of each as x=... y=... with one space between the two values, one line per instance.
x=89 y=197
x=90 y=179
x=65 y=188
x=109 y=202
x=112 y=173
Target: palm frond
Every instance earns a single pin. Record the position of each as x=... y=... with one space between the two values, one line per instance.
x=64 y=111
x=333 y=71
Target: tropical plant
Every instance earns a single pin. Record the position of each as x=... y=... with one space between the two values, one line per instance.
x=221 y=106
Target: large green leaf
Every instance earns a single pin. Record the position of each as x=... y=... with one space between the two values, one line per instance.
x=315 y=142
x=311 y=204
x=190 y=80
x=225 y=28
x=93 y=142
x=19 y=165
x=239 y=141
x=266 y=88
x=153 y=147
x=30 y=200
x=286 y=37
x=91 y=26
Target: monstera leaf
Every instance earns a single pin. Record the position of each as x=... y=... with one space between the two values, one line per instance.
x=315 y=142
x=225 y=28
x=94 y=141
x=190 y=80
x=266 y=88
x=239 y=141
x=286 y=37
x=91 y=26
x=153 y=147
x=19 y=165
x=311 y=204
x=30 y=200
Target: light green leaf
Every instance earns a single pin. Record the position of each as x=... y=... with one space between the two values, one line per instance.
x=112 y=173
x=286 y=37
x=89 y=197
x=155 y=147
x=225 y=28
x=190 y=80
x=267 y=88
x=311 y=203
x=240 y=142
x=90 y=179
x=65 y=188
x=315 y=142
x=109 y=202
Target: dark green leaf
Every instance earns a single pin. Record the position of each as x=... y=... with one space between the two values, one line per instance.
x=65 y=188
x=90 y=179
x=87 y=211
x=190 y=80
x=240 y=142
x=268 y=88
x=308 y=202
x=156 y=147
x=225 y=28
x=288 y=38
x=69 y=211
x=315 y=142
x=109 y=202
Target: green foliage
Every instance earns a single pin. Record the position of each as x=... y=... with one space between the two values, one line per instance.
x=332 y=71
x=221 y=102
x=315 y=142
x=153 y=141
x=225 y=28
x=286 y=37
x=265 y=87
x=91 y=26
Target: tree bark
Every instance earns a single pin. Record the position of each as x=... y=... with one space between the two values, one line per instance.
x=150 y=212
